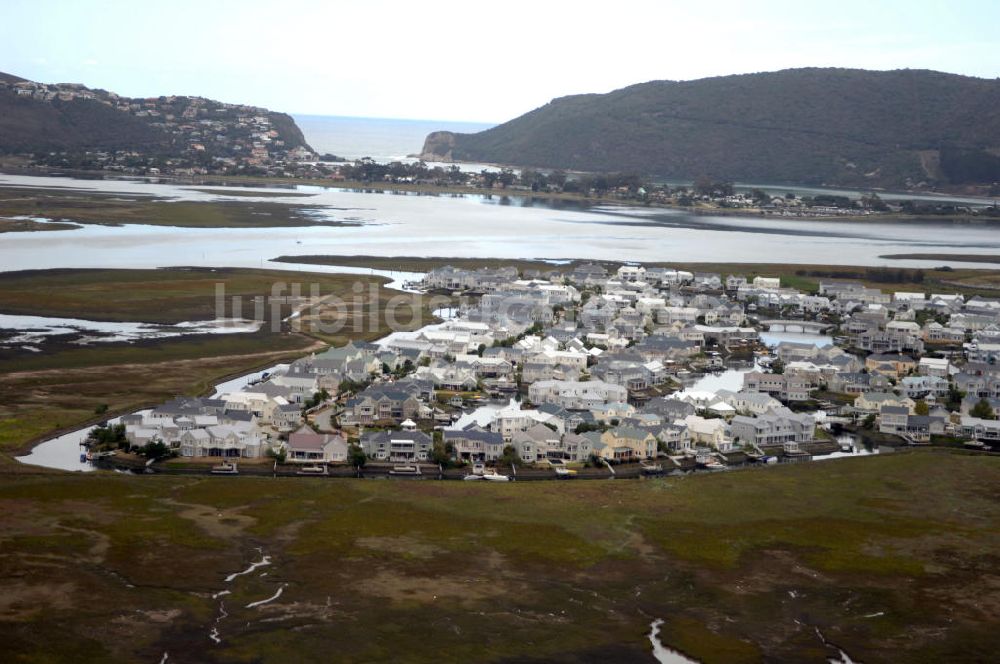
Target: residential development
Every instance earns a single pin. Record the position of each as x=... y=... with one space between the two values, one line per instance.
x=598 y=365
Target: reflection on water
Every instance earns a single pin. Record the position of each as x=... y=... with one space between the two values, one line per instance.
x=477 y=226
x=772 y=339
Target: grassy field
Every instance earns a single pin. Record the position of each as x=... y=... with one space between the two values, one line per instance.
x=61 y=387
x=965 y=258
x=89 y=207
x=893 y=559
x=27 y=225
x=169 y=295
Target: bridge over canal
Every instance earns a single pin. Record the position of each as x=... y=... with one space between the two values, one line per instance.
x=805 y=326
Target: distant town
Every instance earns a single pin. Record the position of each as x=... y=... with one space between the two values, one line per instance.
x=205 y=136
x=591 y=371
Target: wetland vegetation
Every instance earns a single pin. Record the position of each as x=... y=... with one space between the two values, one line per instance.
x=893 y=559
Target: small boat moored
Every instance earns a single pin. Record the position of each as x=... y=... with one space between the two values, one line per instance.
x=493 y=476
x=313 y=469
x=406 y=470
x=650 y=468
x=225 y=468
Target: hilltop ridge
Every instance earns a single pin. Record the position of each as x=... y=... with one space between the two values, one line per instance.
x=846 y=127
x=71 y=125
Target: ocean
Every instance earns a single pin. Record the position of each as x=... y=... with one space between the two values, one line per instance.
x=382 y=139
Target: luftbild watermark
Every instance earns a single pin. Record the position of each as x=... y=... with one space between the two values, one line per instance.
x=368 y=307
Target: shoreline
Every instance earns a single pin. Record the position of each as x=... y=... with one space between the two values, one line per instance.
x=223 y=181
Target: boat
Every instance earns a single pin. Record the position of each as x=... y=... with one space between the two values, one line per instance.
x=478 y=469
x=651 y=468
x=406 y=470
x=562 y=472
x=313 y=469
x=706 y=459
x=473 y=477
x=494 y=476
x=975 y=444
x=225 y=468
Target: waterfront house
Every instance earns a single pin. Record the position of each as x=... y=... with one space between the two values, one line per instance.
x=475 y=444
x=872 y=402
x=307 y=446
x=774 y=427
x=779 y=386
x=641 y=444
x=397 y=446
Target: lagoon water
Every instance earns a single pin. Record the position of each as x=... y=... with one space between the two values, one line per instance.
x=397 y=224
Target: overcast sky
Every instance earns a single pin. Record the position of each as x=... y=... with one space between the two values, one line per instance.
x=480 y=61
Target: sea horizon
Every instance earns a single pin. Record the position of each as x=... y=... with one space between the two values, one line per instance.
x=382 y=139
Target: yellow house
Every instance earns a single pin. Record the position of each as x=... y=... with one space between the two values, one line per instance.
x=627 y=443
x=890 y=364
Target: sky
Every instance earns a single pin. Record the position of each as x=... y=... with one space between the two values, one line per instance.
x=474 y=61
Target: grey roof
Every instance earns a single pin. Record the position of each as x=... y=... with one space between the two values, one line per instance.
x=491 y=437
x=895 y=410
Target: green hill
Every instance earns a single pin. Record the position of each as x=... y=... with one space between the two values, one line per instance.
x=31 y=125
x=811 y=126
x=41 y=118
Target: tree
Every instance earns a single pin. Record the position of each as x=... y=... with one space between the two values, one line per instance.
x=557 y=179
x=921 y=408
x=955 y=397
x=156 y=450
x=108 y=436
x=356 y=456
x=983 y=410
x=506 y=177
x=488 y=178
x=778 y=366
x=509 y=456
x=442 y=453
x=278 y=454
